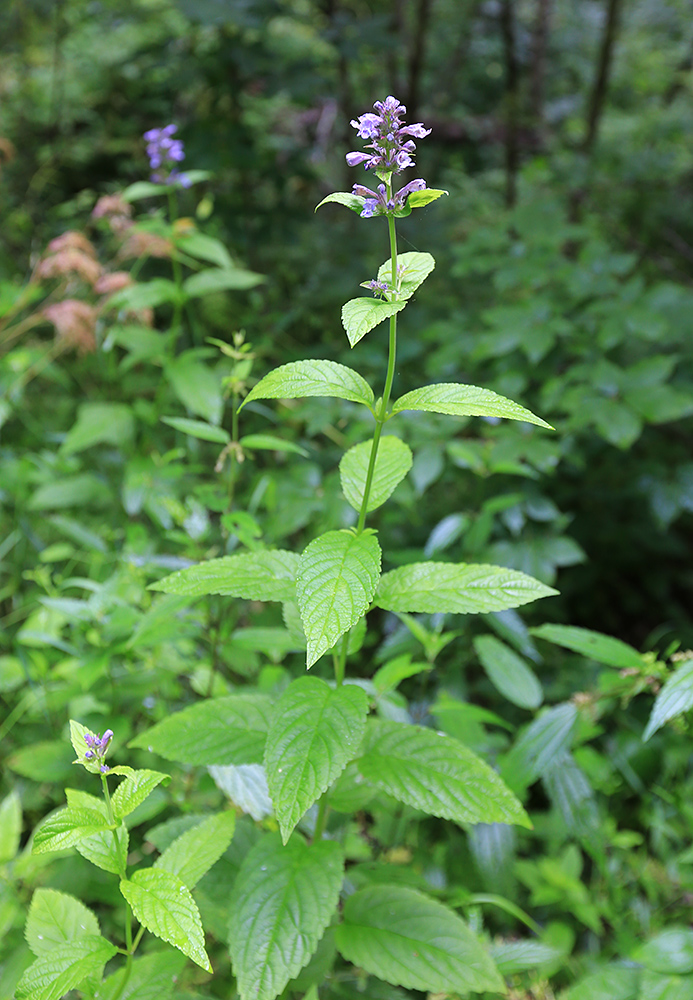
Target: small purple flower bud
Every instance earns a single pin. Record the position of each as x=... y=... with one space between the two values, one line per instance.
x=88 y=754
x=105 y=769
x=106 y=738
x=353 y=159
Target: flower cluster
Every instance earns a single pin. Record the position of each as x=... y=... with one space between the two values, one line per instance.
x=98 y=747
x=164 y=153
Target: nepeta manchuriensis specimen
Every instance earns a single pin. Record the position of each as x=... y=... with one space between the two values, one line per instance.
x=164 y=153
x=318 y=742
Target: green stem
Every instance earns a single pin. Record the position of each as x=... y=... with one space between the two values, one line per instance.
x=177 y=270
x=321 y=819
x=123 y=874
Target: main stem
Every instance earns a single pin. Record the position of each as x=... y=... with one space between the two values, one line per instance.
x=128 y=912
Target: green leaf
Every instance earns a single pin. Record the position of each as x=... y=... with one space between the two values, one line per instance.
x=162 y=903
x=144 y=295
x=101 y=849
x=218 y=279
x=538 y=747
x=283 y=899
x=675 y=697
x=395 y=671
x=614 y=982
x=134 y=790
x=255 y=576
x=457 y=400
x=72 y=491
x=508 y=672
x=56 y=918
x=64 y=967
x=359 y=316
x=393 y=462
x=99 y=423
x=315 y=731
x=405 y=938
x=436 y=774
x=418 y=199
x=195 y=851
x=461 y=588
x=204 y=247
x=229 y=730
x=336 y=580
x=413 y=269
x=312 y=378
x=152 y=977
x=353 y=201
x=198 y=429
x=246 y=786
x=512 y=957
x=10 y=826
x=65 y=827
x=669 y=953
x=268 y=442
x=654 y=986
x=196 y=386
x=593 y=645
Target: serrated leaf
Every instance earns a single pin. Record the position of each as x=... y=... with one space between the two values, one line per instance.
x=512 y=957
x=458 y=588
x=668 y=953
x=10 y=826
x=163 y=904
x=408 y=939
x=134 y=790
x=413 y=269
x=64 y=828
x=299 y=379
x=593 y=645
x=55 y=918
x=195 y=851
x=457 y=400
x=539 y=745
x=315 y=731
x=675 y=697
x=283 y=899
x=353 y=201
x=198 y=429
x=54 y=974
x=220 y=279
x=255 y=576
x=80 y=746
x=336 y=580
x=436 y=774
x=359 y=316
x=268 y=442
x=418 y=199
x=393 y=462
x=152 y=977
x=103 y=851
x=613 y=982
x=508 y=672
x=228 y=730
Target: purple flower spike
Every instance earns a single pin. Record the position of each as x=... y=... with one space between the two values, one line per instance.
x=98 y=747
x=164 y=153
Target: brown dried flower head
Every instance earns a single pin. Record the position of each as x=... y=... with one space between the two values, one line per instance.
x=68 y=262
x=111 y=204
x=140 y=243
x=72 y=240
x=111 y=282
x=75 y=324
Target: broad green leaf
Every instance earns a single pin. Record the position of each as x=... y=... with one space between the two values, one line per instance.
x=144 y=295
x=72 y=491
x=204 y=247
x=106 y=851
x=134 y=790
x=458 y=400
x=56 y=918
x=459 y=588
x=195 y=851
x=246 y=787
x=268 y=442
x=493 y=847
x=669 y=953
x=408 y=939
x=283 y=899
x=198 y=429
x=418 y=199
x=413 y=269
x=218 y=279
x=614 y=982
x=352 y=201
x=228 y=730
x=197 y=386
x=299 y=379
x=512 y=957
x=315 y=731
x=508 y=672
x=359 y=316
x=65 y=827
x=654 y=986
x=593 y=645
x=569 y=790
x=62 y=968
x=152 y=977
x=675 y=697
x=255 y=576
x=395 y=671
x=99 y=423
x=163 y=904
x=436 y=774
x=540 y=744
x=336 y=580
x=10 y=826
x=393 y=462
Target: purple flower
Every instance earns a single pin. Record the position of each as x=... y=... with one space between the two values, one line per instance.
x=98 y=747
x=391 y=151
x=164 y=152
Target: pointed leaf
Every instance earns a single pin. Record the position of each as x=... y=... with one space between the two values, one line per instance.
x=56 y=918
x=134 y=790
x=539 y=745
x=418 y=199
x=408 y=939
x=104 y=851
x=337 y=576
x=163 y=904
x=299 y=379
x=436 y=774
x=229 y=730
x=413 y=269
x=393 y=462
x=198 y=429
x=512 y=957
x=315 y=731
x=62 y=968
x=220 y=279
x=195 y=851
x=359 y=316
x=593 y=645
x=255 y=576
x=152 y=977
x=353 y=201
x=675 y=697
x=10 y=826
x=283 y=899
x=64 y=828
x=268 y=442
x=458 y=400
x=508 y=672
x=461 y=588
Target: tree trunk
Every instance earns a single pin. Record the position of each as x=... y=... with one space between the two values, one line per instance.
x=601 y=79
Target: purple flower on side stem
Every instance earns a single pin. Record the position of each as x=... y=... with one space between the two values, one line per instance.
x=164 y=153
x=98 y=747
